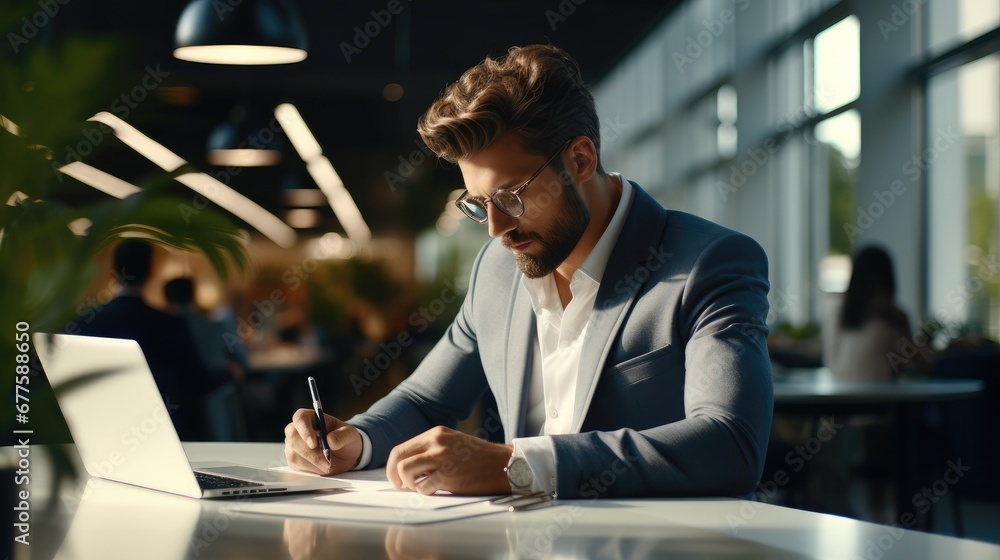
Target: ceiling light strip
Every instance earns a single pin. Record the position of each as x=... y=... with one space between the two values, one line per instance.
x=104 y=182
x=343 y=205
x=149 y=148
x=323 y=172
x=205 y=185
x=244 y=208
x=298 y=132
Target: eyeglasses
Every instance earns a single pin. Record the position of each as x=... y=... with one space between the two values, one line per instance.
x=507 y=201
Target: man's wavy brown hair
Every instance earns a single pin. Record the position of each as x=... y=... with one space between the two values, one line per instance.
x=535 y=92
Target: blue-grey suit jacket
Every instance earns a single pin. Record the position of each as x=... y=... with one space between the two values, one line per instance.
x=674 y=396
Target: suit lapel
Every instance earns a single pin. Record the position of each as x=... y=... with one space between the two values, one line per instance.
x=643 y=227
x=520 y=341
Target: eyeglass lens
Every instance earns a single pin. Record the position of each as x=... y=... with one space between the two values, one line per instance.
x=506 y=201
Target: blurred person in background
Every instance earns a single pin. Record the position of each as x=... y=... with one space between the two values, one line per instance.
x=867 y=327
x=208 y=335
x=181 y=376
x=867 y=340
x=224 y=410
x=225 y=315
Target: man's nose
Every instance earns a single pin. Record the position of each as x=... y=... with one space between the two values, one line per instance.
x=500 y=223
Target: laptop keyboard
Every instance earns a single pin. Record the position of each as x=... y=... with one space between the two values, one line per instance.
x=214 y=481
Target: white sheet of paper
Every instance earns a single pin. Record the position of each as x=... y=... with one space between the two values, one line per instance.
x=368 y=480
x=400 y=499
x=371 y=488
x=315 y=507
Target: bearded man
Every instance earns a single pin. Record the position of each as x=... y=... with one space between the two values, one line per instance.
x=624 y=343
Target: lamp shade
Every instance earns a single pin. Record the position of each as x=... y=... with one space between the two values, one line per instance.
x=244 y=141
x=249 y=32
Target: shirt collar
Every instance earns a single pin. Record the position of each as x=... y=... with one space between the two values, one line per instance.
x=595 y=263
x=542 y=291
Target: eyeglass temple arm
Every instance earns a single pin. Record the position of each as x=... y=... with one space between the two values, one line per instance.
x=542 y=168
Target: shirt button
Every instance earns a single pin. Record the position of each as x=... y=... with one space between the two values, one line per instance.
x=553 y=413
x=564 y=344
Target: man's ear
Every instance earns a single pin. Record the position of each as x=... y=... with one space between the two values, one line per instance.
x=582 y=161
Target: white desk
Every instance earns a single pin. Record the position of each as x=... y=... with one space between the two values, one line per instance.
x=117 y=521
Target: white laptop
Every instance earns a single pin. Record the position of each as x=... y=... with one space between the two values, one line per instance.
x=123 y=432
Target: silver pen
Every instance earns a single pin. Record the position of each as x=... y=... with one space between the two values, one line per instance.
x=516 y=498
x=540 y=502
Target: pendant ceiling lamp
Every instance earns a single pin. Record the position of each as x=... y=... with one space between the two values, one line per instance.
x=249 y=32
x=244 y=140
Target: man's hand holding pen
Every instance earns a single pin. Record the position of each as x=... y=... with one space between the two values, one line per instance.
x=304 y=452
x=438 y=459
x=320 y=423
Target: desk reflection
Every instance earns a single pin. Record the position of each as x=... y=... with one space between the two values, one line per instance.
x=306 y=539
x=108 y=524
x=113 y=521
x=516 y=537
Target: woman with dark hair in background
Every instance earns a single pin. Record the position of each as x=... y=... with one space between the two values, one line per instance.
x=867 y=334
x=869 y=328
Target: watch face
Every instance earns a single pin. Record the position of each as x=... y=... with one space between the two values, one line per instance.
x=519 y=474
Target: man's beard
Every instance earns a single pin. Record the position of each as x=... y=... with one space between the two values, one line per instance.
x=567 y=229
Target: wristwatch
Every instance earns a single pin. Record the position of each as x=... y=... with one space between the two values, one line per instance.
x=519 y=474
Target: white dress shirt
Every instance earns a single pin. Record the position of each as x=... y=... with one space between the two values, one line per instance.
x=555 y=364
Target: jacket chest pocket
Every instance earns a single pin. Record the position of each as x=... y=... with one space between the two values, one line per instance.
x=640 y=368
x=639 y=393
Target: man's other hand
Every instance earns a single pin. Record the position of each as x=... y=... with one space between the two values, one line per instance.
x=446 y=459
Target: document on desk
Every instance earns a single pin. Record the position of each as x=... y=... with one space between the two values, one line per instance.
x=371 y=498
x=392 y=498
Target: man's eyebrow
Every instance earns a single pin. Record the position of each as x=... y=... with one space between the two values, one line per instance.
x=509 y=185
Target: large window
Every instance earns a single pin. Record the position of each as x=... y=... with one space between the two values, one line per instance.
x=814 y=85
x=837 y=65
x=950 y=23
x=836 y=155
x=963 y=159
x=791 y=120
